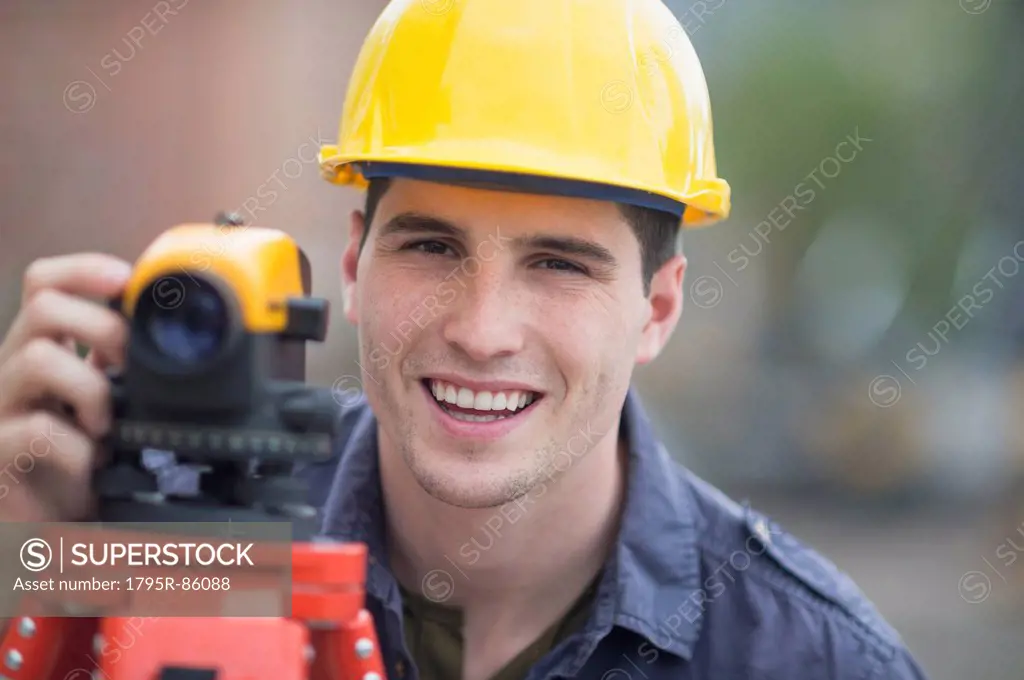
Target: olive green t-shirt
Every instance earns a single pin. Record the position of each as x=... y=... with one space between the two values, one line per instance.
x=433 y=632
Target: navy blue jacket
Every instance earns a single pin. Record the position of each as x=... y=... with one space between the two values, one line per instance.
x=698 y=587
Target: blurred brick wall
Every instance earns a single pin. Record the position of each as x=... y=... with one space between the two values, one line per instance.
x=120 y=119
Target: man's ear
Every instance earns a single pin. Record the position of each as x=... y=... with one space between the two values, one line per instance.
x=666 y=305
x=350 y=266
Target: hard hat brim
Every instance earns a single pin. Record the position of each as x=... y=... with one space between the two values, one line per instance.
x=706 y=204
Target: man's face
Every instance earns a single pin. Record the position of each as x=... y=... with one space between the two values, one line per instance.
x=494 y=328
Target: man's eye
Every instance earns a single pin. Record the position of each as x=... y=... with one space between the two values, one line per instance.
x=560 y=266
x=429 y=247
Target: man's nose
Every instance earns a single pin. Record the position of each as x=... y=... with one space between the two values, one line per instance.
x=485 y=319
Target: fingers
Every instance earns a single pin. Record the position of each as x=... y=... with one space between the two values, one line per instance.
x=95 y=275
x=46 y=461
x=43 y=370
x=55 y=314
x=46 y=469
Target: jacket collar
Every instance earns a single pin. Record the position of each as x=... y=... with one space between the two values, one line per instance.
x=651 y=582
x=654 y=572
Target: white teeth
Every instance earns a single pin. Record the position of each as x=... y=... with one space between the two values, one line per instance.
x=513 y=400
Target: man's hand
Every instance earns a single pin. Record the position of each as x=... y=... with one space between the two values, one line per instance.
x=46 y=457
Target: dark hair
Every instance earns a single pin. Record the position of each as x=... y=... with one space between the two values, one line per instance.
x=657 y=231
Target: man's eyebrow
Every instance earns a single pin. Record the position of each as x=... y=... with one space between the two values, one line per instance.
x=570 y=245
x=418 y=223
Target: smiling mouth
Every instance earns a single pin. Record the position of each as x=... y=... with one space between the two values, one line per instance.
x=463 y=404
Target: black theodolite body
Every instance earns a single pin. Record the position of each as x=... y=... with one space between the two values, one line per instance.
x=214 y=371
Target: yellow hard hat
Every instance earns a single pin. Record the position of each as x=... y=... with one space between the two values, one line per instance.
x=594 y=98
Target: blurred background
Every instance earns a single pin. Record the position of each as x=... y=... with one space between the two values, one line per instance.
x=851 y=357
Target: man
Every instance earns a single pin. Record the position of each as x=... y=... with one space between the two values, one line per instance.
x=528 y=167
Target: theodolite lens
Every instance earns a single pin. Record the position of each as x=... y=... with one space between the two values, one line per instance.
x=184 y=319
